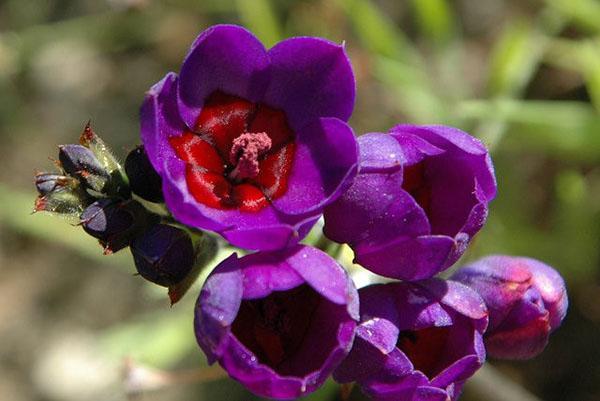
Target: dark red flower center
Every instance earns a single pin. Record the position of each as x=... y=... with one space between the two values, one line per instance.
x=275 y=327
x=416 y=184
x=425 y=348
x=239 y=155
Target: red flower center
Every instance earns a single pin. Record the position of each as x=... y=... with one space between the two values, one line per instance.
x=425 y=348
x=239 y=155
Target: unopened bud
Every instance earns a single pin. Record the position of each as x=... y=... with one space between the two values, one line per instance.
x=115 y=223
x=46 y=183
x=144 y=181
x=163 y=255
x=106 y=159
x=526 y=299
x=78 y=161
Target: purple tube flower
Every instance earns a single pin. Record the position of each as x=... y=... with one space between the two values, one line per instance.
x=252 y=143
x=527 y=300
x=421 y=195
x=278 y=322
x=416 y=341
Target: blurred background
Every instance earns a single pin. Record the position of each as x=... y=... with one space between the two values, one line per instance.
x=522 y=75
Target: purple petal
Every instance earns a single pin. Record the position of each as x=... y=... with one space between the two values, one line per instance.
x=552 y=289
x=325 y=162
x=326 y=277
x=381 y=210
x=310 y=78
x=159 y=119
x=220 y=300
x=407 y=259
x=455 y=140
x=457 y=296
x=224 y=58
x=380 y=153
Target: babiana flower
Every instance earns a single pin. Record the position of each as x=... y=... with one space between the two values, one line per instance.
x=278 y=322
x=252 y=143
x=421 y=194
x=416 y=341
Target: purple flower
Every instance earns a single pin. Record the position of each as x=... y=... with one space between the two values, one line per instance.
x=252 y=143
x=421 y=195
x=416 y=341
x=527 y=300
x=278 y=322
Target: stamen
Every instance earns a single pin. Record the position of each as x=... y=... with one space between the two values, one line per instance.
x=245 y=151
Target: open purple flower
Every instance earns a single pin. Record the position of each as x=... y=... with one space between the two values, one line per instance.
x=252 y=143
x=416 y=341
x=278 y=322
x=527 y=300
x=421 y=194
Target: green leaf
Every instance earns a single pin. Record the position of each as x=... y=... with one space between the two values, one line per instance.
x=568 y=129
x=258 y=16
x=435 y=19
x=377 y=32
x=584 y=13
x=514 y=59
x=412 y=90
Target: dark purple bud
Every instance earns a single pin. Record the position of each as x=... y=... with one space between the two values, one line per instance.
x=278 y=322
x=80 y=162
x=46 y=183
x=416 y=341
x=115 y=223
x=144 y=181
x=527 y=301
x=164 y=254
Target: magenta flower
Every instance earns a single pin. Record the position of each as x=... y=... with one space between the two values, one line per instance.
x=421 y=194
x=527 y=300
x=416 y=341
x=278 y=322
x=253 y=143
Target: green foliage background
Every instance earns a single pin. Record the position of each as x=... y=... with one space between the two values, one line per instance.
x=524 y=76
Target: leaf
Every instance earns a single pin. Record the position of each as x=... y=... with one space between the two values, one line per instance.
x=435 y=19
x=377 y=32
x=259 y=17
x=514 y=59
x=568 y=129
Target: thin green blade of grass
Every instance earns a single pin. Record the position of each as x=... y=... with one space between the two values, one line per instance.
x=435 y=20
x=585 y=14
x=568 y=129
x=377 y=32
x=259 y=17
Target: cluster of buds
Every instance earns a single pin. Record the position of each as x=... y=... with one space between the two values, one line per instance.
x=108 y=202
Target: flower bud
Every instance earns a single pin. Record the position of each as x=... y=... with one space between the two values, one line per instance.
x=46 y=183
x=527 y=301
x=80 y=162
x=115 y=223
x=110 y=164
x=144 y=181
x=163 y=255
